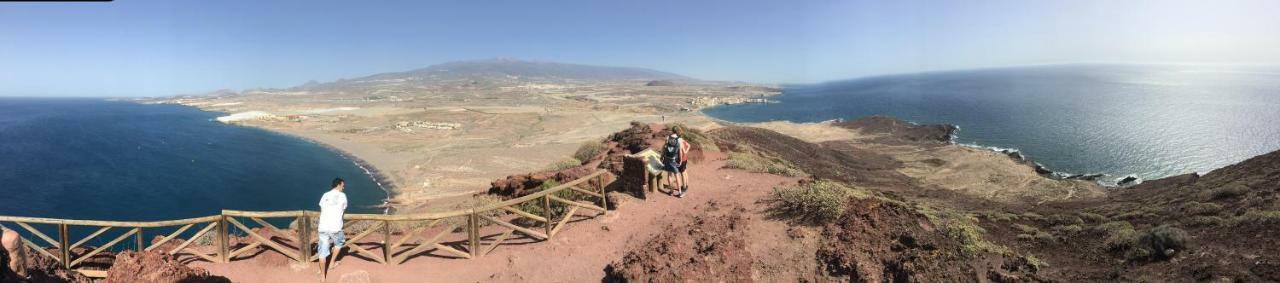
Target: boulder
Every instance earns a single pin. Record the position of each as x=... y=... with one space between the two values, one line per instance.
x=39 y=268
x=133 y=266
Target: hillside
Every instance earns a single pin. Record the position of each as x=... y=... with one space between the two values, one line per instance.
x=503 y=71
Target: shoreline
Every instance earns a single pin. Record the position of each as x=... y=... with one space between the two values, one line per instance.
x=384 y=182
x=1013 y=153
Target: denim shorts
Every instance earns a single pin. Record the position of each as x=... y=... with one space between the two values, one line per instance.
x=326 y=238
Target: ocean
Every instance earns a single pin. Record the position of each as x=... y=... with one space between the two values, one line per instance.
x=114 y=160
x=1119 y=120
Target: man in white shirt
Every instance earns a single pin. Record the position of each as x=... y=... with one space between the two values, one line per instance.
x=332 y=205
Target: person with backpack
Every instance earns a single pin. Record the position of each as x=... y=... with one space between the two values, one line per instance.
x=676 y=160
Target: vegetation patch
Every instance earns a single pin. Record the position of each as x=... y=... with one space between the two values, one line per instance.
x=1158 y=243
x=1228 y=191
x=999 y=216
x=1117 y=235
x=964 y=229
x=1093 y=217
x=536 y=206
x=746 y=158
x=1202 y=220
x=694 y=136
x=564 y=164
x=1032 y=216
x=1026 y=228
x=1257 y=217
x=812 y=203
x=1064 y=219
x=1200 y=208
x=589 y=150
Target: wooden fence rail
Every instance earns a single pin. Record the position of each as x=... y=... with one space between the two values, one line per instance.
x=464 y=233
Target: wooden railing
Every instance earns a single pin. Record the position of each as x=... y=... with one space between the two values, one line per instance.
x=465 y=233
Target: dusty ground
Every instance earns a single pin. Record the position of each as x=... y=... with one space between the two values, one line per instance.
x=581 y=252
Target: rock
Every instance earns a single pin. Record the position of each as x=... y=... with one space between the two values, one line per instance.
x=1040 y=169
x=1127 y=180
x=39 y=269
x=709 y=247
x=617 y=199
x=900 y=131
x=1086 y=177
x=132 y=266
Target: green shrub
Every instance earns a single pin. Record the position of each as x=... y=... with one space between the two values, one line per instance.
x=1199 y=208
x=1035 y=263
x=1202 y=220
x=589 y=150
x=963 y=228
x=1092 y=217
x=1158 y=243
x=757 y=162
x=1026 y=228
x=1032 y=216
x=999 y=216
x=818 y=202
x=1228 y=191
x=1038 y=236
x=1137 y=214
x=1064 y=219
x=1257 y=217
x=564 y=164
x=1066 y=229
x=1118 y=235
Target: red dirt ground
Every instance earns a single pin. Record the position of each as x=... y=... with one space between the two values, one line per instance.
x=581 y=251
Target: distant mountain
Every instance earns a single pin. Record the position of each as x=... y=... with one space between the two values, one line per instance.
x=520 y=70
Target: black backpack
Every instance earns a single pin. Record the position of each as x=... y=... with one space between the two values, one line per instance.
x=671 y=152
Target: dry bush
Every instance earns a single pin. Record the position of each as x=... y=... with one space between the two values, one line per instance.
x=813 y=203
x=589 y=150
x=564 y=164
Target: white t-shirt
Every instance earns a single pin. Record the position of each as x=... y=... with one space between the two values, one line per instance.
x=332 y=204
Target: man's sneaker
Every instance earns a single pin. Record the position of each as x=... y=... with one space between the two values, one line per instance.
x=684 y=190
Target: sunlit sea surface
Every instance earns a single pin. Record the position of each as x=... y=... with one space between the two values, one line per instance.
x=1149 y=121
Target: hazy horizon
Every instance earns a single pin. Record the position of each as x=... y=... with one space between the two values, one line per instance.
x=153 y=48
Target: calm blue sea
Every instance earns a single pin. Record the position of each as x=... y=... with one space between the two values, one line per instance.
x=108 y=160
x=1150 y=121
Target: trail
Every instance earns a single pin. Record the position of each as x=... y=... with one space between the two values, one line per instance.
x=577 y=254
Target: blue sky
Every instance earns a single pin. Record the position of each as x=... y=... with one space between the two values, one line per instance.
x=150 y=48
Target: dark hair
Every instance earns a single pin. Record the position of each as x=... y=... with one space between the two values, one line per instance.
x=336 y=182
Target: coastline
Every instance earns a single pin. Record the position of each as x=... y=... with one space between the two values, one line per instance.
x=383 y=181
x=1014 y=154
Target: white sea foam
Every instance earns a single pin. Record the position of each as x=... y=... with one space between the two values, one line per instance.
x=244 y=116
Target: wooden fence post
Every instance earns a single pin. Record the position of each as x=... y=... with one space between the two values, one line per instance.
x=222 y=239
x=386 y=242
x=304 y=239
x=137 y=238
x=65 y=245
x=473 y=234
x=604 y=198
x=546 y=213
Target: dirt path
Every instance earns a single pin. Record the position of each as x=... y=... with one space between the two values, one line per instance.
x=577 y=254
